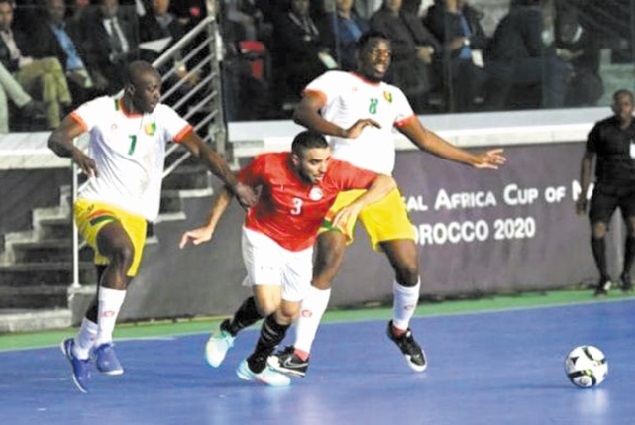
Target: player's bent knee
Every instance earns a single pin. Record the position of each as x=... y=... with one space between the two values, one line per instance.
x=407 y=276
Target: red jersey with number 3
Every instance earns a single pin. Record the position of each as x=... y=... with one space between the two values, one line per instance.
x=290 y=209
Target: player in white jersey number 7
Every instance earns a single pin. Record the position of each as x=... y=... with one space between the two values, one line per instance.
x=357 y=112
x=128 y=137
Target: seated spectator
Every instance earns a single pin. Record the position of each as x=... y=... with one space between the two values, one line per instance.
x=366 y=8
x=577 y=46
x=190 y=12
x=42 y=78
x=457 y=26
x=340 y=31
x=522 y=52
x=51 y=35
x=77 y=10
x=297 y=49
x=413 y=47
x=11 y=89
x=159 y=23
x=110 y=40
x=246 y=20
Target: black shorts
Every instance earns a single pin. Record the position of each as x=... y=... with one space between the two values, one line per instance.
x=606 y=198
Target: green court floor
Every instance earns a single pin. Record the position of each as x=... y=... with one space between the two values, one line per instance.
x=205 y=324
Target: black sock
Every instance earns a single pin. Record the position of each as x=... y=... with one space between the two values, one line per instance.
x=271 y=335
x=629 y=255
x=598 y=248
x=91 y=313
x=246 y=315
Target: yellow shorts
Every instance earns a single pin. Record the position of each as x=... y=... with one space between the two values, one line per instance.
x=384 y=220
x=91 y=217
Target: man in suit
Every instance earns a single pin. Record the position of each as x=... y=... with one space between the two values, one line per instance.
x=42 y=78
x=110 y=42
x=52 y=35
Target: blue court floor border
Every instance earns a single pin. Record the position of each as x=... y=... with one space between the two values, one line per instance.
x=491 y=368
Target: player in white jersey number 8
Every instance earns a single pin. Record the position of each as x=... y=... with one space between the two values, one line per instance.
x=357 y=112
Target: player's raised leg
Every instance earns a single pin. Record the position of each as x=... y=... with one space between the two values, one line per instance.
x=402 y=255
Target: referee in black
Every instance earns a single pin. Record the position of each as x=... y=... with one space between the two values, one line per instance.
x=612 y=142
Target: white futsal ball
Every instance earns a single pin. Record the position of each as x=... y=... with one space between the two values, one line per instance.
x=586 y=366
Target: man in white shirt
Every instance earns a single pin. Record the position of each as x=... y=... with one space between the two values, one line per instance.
x=128 y=136
x=357 y=112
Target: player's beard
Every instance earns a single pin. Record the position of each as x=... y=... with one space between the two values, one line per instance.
x=308 y=178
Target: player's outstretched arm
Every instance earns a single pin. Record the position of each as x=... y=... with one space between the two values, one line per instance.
x=379 y=188
x=204 y=234
x=61 y=143
x=431 y=142
x=217 y=165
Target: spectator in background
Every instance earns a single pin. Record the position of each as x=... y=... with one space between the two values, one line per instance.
x=366 y=8
x=109 y=33
x=191 y=10
x=297 y=49
x=11 y=89
x=413 y=47
x=579 y=48
x=341 y=30
x=245 y=18
x=610 y=142
x=78 y=9
x=457 y=25
x=42 y=78
x=51 y=35
x=159 y=23
x=522 y=52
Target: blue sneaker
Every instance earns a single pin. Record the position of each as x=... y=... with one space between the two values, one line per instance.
x=268 y=376
x=81 y=368
x=106 y=360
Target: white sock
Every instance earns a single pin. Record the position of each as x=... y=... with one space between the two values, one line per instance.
x=85 y=339
x=404 y=304
x=311 y=312
x=110 y=302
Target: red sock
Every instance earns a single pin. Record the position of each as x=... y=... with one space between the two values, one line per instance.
x=397 y=331
x=303 y=355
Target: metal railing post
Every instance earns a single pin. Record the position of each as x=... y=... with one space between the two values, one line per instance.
x=75 y=182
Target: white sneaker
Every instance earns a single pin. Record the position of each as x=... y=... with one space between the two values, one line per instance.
x=217 y=347
x=267 y=376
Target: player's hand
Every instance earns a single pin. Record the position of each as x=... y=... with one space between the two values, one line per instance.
x=86 y=163
x=246 y=195
x=490 y=159
x=343 y=216
x=196 y=236
x=581 y=205
x=359 y=126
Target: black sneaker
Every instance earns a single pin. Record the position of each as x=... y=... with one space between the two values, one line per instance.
x=627 y=284
x=414 y=355
x=288 y=363
x=602 y=288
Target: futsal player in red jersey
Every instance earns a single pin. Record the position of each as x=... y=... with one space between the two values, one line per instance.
x=297 y=190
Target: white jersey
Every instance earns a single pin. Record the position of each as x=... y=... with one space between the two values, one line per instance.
x=129 y=151
x=349 y=98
